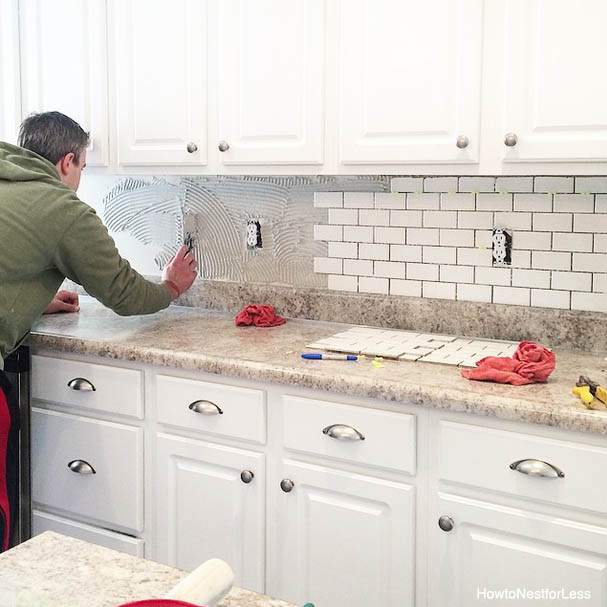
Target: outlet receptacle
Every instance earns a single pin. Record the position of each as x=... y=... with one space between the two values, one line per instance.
x=502 y=247
x=253 y=234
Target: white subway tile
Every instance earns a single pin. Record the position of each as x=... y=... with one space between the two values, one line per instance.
x=591 y=185
x=553 y=184
x=480 y=293
x=343 y=283
x=550 y=299
x=544 y=260
x=343 y=216
x=407 y=184
x=402 y=252
x=494 y=202
x=571 y=281
x=373 y=251
x=513 y=221
x=422 y=236
x=358 y=234
x=573 y=203
x=538 y=279
x=601 y=204
x=483 y=238
x=441 y=184
x=541 y=241
x=389 y=269
x=457 y=202
x=474 y=220
x=511 y=295
x=422 y=271
x=327 y=265
x=423 y=202
x=343 y=249
x=358 y=267
x=562 y=241
x=590 y=222
x=439 y=290
x=327 y=233
x=533 y=202
x=325 y=200
x=373 y=285
x=390 y=235
x=457 y=274
x=599 y=283
x=359 y=200
x=593 y=302
x=439 y=255
x=408 y=288
x=590 y=262
x=411 y=219
x=474 y=257
x=600 y=243
x=552 y=222
x=457 y=238
x=476 y=184
x=514 y=184
x=440 y=219
x=388 y=200
x=492 y=276
x=521 y=259
x=373 y=218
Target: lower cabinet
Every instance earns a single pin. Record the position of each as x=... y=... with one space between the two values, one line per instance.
x=210 y=503
x=343 y=539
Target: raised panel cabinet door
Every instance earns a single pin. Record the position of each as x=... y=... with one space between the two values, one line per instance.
x=343 y=539
x=64 y=65
x=498 y=555
x=160 y=65
x=555 y=84
x=208 y=504
x=410 y=81
x=271 y=65
x=9 y=71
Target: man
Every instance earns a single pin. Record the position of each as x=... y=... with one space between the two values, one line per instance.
x=48 y=234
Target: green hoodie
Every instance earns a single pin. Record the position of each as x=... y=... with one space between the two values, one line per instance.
x=47 y=234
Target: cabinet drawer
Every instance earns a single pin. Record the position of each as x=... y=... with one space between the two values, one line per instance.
x=42 y=521
x=114 y=494
x=116 y=390
x=389 y=438
x=474 y=455
x=243 y=410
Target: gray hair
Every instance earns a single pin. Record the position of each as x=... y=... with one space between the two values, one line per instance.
x=52 y=135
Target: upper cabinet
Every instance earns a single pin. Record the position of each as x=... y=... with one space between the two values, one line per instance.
x=9 y=71
x=160 y=73
x=410 y=76
x=64 y=65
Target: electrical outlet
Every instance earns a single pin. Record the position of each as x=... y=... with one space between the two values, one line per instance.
x=253 y=234
x=502 y=247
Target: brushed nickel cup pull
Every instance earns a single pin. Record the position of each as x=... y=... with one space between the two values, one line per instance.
x=343 y=432
x=223 y=146
x=206 y=407
x=79 y=466
x=536 y=467
x=446 y=523
x=246 y=476
x=510 y=140
x=287 y=485
x=191 y=147
x=462 y=142
x=81 y=384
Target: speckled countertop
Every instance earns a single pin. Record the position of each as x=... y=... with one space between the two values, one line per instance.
x=52 y=570
x=209 y=341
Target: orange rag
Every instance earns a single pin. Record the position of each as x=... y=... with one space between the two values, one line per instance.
x=260 y=316
x=530 y=363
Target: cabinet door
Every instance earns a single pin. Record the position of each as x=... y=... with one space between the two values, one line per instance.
x=343 y=540
x=64 y=65
x=206 y=510
x=496 y=549
x=161 y=77
x=271 y=81
x=9 y=71
x=410 y=81
x=555 y=88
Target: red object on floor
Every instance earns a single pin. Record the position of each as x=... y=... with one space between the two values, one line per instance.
x=5 y=511
x=260 y=316
x=159 y=603
x=530 y=363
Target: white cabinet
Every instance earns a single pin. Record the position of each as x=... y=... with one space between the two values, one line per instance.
x=343 y=539
x=160 y=75
x=210 y=502
x=410 y=77
x=10 y=103
x=64 y=65
x=270 y=81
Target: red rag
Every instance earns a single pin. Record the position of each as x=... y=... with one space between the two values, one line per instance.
x=260 y=316
x=531 y=363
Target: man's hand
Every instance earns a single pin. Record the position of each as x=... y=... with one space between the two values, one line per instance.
x=180 y=272
x=64 y=301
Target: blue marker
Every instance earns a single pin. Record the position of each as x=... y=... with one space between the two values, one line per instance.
x=318 y=356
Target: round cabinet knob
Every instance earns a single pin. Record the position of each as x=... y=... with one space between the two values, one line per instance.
x=446 y=523
x=223 y=146
x=287 y=485
x=462 y=142
x=191 y=147
x=246 y=476
x=510 y=140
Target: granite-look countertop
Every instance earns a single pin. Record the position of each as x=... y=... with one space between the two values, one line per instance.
x=209 y=341
x=52 y=570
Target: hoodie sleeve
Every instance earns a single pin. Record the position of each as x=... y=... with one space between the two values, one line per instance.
x=88 y=255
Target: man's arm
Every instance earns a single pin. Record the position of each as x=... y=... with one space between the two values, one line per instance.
x=64 y=301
